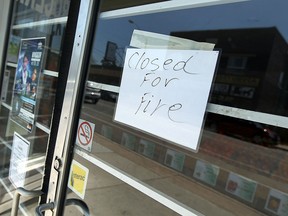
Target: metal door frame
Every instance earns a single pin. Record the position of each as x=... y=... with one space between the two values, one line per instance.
x=66 y=114
x=70 y=88
x=71 y=85
x=82 y=21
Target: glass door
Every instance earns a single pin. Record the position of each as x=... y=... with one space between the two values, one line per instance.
x=32 y=70
x=131 y=156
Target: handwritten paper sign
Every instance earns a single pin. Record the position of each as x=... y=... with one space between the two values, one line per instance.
x=165 y=92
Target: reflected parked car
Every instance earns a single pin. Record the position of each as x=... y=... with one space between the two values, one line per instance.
x=92 y=92
x=109 y=96
x=243 y=129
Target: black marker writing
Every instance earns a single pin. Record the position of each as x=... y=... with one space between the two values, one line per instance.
x=141 y=61
x=155 y=81
x=145 y=78
x=174 y=108
x=167 y=81
x=142 y=101
x=183 y=67
x=149 y=105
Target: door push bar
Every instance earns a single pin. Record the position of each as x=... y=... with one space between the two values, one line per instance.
x=22 y=192
x=50 y=206
x=43 y=207
x=80 y=203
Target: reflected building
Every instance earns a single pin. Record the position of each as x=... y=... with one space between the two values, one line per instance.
x=237 y=170
x=252 y=73
x=253 y=70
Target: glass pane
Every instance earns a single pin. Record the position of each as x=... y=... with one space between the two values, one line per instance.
x=241 y=166
x=34 y=49
x=107 y=195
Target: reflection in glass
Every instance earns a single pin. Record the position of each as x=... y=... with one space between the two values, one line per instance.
x=31 y=19
x=251 y=75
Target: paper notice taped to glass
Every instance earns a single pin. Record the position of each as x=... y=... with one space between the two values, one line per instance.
x=150 y=40
x=164 y=91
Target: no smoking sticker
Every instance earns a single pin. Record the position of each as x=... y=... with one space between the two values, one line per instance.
x=85 y=134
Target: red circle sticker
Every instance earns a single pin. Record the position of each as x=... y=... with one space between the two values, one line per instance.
x=84 y=133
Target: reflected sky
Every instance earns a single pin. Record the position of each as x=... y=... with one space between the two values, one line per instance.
x=250 y=14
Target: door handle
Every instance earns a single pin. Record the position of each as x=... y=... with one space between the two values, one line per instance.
x=83 y=206
x=43 y=207
x=50 y=206
x=22 y=192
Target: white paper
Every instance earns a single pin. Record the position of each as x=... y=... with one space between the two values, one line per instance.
x=19 y=157
x=165 y=92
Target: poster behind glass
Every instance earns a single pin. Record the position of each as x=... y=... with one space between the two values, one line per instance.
x=29 y=66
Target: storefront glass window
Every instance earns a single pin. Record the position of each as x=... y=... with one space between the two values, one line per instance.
x=241 y=165
x=28 y=97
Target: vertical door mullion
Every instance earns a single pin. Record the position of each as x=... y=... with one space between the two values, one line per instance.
x=75 y=82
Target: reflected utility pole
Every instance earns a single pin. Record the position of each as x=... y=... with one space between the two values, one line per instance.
x=132 y=22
